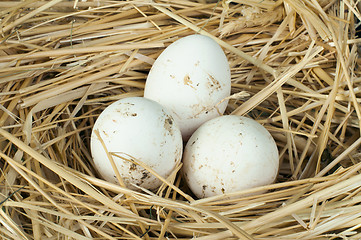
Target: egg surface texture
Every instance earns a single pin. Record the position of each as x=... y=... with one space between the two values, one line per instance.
x=190 y=77
x=228 y=154
x=136 y=128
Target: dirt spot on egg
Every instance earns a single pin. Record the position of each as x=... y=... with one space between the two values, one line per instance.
x=204 y=188
x=178 y=154
x=129 y=114
x=194 y=142
x=198 y=109
x=145 y=174
x=213 y=84
x=126 y=110
x=187 y=81
x=127 y=104
x=132 y=167
x=168 y=125
x=105 y=133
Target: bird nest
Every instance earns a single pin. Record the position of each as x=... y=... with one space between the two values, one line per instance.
x=294 y=67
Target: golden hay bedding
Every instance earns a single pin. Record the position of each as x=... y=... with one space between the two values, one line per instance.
x=295 y=69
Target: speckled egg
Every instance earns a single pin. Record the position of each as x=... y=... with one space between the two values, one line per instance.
x=136 y=128
x=190 y=78
x=228 y=154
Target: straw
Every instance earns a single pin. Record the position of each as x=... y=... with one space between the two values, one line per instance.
x=294 y=68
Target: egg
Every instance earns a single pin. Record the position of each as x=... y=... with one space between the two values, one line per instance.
x=190 y=78
x=141 y=129
x=229 y=154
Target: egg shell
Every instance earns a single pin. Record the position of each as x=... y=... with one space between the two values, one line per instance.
x=190 y=77
x=228 y=154
x=142 y=129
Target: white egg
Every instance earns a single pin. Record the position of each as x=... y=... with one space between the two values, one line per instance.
x=228 y=154
x=136 y=128
x=190 y=77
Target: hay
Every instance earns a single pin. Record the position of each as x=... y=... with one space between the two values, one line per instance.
x=294 y=68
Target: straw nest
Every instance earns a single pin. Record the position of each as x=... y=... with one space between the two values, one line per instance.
x=294 y=66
